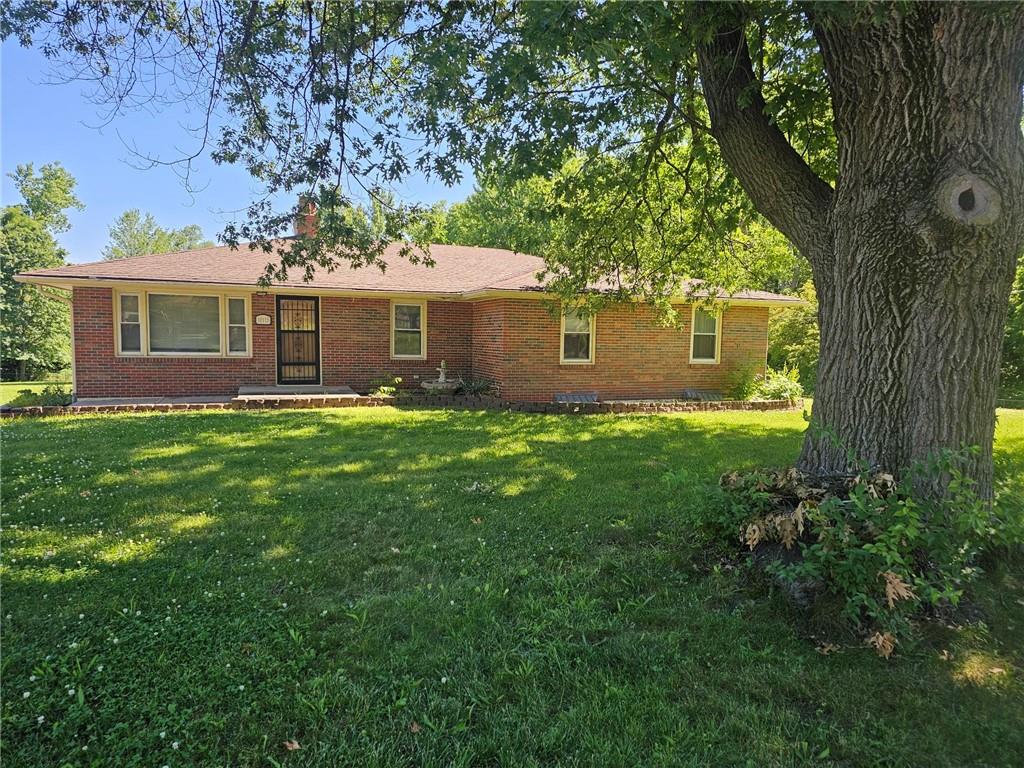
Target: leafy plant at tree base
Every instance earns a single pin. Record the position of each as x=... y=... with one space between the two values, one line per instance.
x=385 y=386
x=884 y=548
x=780 y=385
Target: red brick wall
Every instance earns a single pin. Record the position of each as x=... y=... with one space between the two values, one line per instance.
x=101 y=373
x=633 y=355
x=513 y=342
x=488 y=341
x=357 y=342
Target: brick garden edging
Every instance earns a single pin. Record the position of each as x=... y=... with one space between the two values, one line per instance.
x=472 y=402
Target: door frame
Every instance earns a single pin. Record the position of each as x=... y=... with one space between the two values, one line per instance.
x=277 y=341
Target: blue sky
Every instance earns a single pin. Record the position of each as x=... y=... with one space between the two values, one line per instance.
x=42 y=122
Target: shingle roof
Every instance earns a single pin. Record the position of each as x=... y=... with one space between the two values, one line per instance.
x=457 y=270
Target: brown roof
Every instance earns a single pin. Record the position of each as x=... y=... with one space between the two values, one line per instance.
x=457 y=270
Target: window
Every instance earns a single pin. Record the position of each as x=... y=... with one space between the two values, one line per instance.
x=238 y=332
x=407 y=324
x=182 y=324
x=704 y=338
x=577 y=338
x=130 y=322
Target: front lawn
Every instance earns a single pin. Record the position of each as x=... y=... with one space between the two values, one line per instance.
x=386 y=587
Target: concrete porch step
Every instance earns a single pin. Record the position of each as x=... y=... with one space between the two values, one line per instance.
x=246 y=394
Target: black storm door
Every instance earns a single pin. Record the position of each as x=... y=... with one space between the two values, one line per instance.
x=298 y=340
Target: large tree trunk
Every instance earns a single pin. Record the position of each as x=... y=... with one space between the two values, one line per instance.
x=914 y=258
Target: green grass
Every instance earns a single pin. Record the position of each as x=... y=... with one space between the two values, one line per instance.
x=402 y=588
x=13 y=393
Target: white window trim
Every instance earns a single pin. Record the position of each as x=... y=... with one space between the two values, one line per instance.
x=562 y=359
x=718 y=337
x=144 y=323
x=423 y=328
x=143 y=330
x=227 y=326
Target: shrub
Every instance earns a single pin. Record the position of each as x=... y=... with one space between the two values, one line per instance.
x=385 y=386
x=476 y=387
x=743 y=383
x=780 y=385
x=886 y=550
x=51 y=394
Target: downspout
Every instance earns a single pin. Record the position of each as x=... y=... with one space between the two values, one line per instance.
x=66 y=298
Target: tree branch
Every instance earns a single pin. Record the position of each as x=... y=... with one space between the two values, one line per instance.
x=781 y=185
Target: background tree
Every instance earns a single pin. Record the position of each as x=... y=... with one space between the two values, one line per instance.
x=136 y=234
x=793 y=338
x=1011 y=381
x=34 y=326
x=901 y=185
x=48 y=195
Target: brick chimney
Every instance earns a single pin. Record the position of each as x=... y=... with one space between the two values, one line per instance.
x=306 y=218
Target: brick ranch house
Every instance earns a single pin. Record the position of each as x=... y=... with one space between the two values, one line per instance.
x=197 y=323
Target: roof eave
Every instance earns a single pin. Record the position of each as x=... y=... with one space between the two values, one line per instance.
x=66 y=282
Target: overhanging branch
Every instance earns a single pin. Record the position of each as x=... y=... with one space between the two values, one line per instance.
x=781 y=185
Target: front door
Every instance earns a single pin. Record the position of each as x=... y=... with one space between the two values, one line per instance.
x=298 y=340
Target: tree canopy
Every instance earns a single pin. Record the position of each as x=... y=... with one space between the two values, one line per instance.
x=603 y=99
x=136 y=234
x=47 y=195
x=34 y=327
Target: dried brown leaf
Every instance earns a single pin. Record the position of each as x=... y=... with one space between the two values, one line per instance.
x=883 y=643
x=896 y=589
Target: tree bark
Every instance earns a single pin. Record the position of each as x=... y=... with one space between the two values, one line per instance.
x=920 y=237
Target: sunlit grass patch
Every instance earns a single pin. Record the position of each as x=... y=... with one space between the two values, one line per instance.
x=524 y=589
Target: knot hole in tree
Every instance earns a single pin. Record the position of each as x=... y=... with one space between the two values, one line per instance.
x=969 y=199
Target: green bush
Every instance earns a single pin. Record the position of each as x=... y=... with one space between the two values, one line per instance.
x=780 y=385
x=743 y=383
x=51 y=394
x=885 y=549
x=385 y=386
x=793 y=338
x=476 y=387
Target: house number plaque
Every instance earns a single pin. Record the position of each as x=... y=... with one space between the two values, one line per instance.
x=263 y=320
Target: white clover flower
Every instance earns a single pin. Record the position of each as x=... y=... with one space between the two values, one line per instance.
x=163 y=734
x=25 y=695
x=241 y=687
x=41 y=719
x=175 y=744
